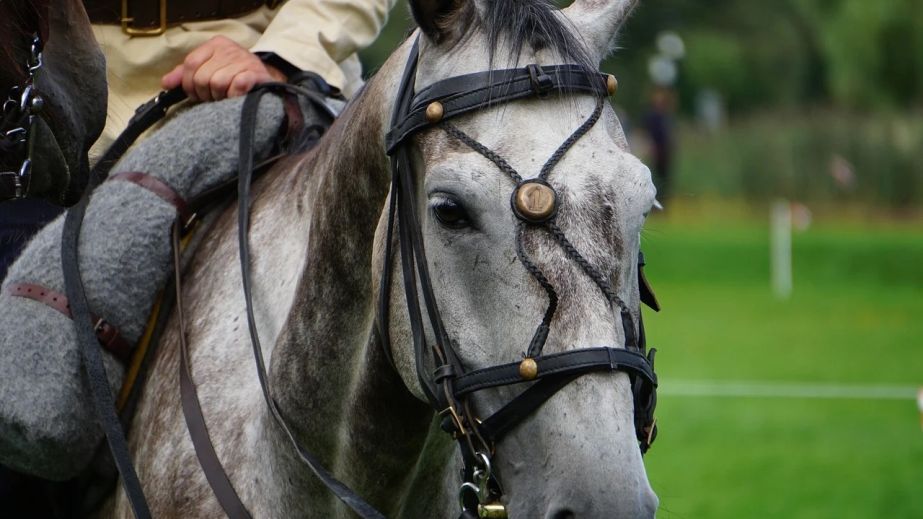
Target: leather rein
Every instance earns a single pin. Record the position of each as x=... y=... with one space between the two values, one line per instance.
x=17 y=115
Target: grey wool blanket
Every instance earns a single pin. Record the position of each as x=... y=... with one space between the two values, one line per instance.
x=48 y=426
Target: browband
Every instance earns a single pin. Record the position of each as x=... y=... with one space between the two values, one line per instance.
x=463 y=94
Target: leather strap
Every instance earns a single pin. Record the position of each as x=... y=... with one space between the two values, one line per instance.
x=192 y=411
x=146 y=13
x=245 y=177
x=463 y=94
x=159 y=188
x=564 y=363
x=495 y=427
x=107 y=334
x=145 y=116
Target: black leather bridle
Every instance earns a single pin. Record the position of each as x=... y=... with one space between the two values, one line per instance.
x=17 y=116
x=450 y=384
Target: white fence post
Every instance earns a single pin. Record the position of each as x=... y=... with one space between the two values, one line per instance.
x=781 y=248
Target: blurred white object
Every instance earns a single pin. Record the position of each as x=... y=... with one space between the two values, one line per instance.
x=709 y=109
x=920 y=406
x=671 y=45
x=662 y=70
x=780 y=250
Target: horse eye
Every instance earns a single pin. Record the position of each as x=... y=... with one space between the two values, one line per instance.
x=450 y=212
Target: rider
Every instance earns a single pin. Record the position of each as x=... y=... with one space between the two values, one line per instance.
x=214 y=49
x=221 y=48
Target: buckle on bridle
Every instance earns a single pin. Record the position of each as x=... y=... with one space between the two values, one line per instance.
x=126 y=20
x=452 y=419
x=542 y=84
x=486 y=489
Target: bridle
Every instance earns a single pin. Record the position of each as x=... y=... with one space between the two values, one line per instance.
x=534 y=202
x=17 y=117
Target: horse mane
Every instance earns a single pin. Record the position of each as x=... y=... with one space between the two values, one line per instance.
x=19 y=19
x=534 y=23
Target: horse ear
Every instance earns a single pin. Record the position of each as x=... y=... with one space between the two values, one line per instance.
x=439 y=19
x=598 y=21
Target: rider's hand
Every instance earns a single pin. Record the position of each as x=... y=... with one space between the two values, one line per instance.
x=220 y=68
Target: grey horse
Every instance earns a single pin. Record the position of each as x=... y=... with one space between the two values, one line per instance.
x=318 y=236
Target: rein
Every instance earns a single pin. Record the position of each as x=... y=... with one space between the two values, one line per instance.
x=91 y=358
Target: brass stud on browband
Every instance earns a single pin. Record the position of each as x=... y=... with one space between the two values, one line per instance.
x=612 y=84
x=434 y=112
x=528 y=369
x=534 y=201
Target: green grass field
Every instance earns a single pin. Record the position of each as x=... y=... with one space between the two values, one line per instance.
x=855 y=318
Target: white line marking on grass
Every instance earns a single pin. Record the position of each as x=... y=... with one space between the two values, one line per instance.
x=756 y=389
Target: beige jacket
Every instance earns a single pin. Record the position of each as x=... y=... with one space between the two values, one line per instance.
x=322 y=36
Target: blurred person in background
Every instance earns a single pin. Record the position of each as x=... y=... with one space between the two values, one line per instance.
x=658 y=124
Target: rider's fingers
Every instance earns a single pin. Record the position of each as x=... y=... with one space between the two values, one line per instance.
x=172 y=79
x=243 y=83
x=220 y=81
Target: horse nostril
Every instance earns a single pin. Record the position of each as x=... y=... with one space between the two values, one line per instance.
x=563 y=514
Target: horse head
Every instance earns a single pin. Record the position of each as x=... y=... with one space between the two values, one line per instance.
x=70 y=82
x=530 y=213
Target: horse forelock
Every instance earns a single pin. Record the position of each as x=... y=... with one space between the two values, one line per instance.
x=535 y=24
x=515 y=27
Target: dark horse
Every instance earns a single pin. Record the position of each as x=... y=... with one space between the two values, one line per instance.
x=71 y=82
x=68 y=79
x=65 y=90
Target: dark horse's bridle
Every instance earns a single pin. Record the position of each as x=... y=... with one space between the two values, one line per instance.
x=17 y=116
x=534 y=202
x=450 y=384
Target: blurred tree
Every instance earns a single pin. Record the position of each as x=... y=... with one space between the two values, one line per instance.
x=848 y=53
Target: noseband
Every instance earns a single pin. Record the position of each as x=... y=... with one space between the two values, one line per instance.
x=17 y=115
x=534 y=202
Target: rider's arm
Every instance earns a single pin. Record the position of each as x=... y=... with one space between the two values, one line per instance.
x=323 y=36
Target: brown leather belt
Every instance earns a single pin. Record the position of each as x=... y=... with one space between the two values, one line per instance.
x=107 y=334
x=152 y=17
